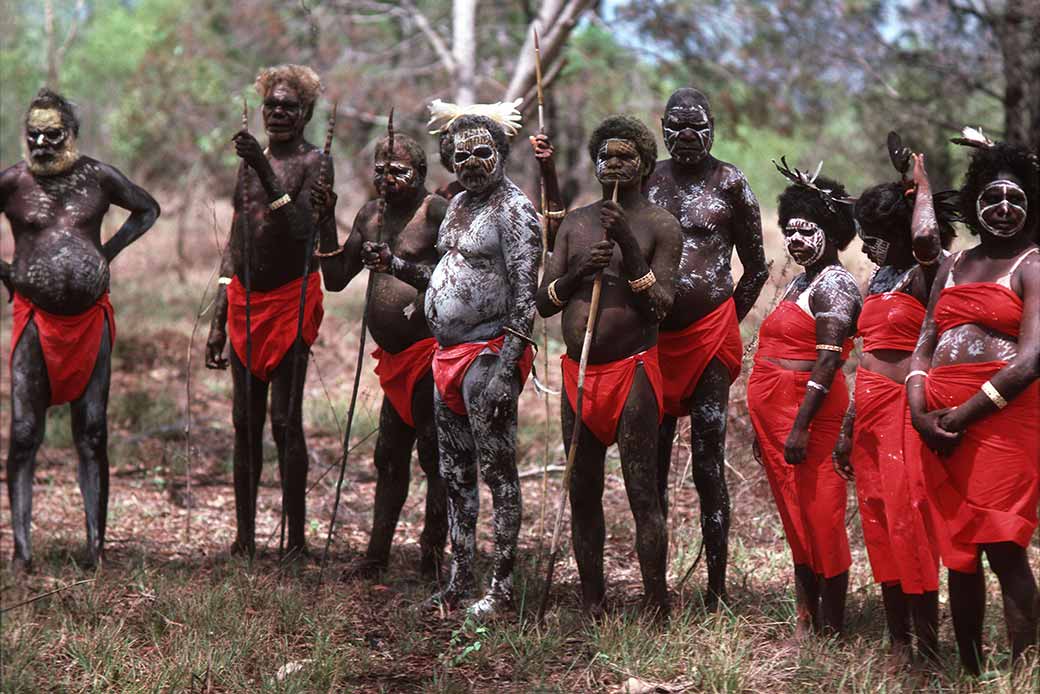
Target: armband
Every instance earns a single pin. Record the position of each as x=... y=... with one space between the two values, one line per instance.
x=830 y=348
x=224 y=280
x=329 y=254
x=912 y=374
x=553 y=297
x=643 y=283
x=818 y=386
x=280 y=202
x=993 y=394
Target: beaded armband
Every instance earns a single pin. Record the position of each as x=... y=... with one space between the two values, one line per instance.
x=279 y=202
x=830 y=348
x=643 y=283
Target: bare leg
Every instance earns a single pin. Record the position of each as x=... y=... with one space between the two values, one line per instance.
x=708 y=415
x=968 y=607
x=637 y=434
x=248 y=454
x=287 y=429
x=458 y=465
x=925 y=611
x=495 y=438
x=30 y=396
x=897 y=616
x=90 y=432
x=807 y=600
x=393 y=459
x=832 y=603
x=435 y=524
x=665 y=438
x=588 y=530
x=1018 y=588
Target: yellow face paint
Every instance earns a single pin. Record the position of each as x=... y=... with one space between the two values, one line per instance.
x=43 y=118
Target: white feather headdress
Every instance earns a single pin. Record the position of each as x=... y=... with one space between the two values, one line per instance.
x=505 y=113
x=973 y=137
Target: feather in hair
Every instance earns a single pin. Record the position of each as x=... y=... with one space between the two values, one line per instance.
x=973 y=137
x=505 y=113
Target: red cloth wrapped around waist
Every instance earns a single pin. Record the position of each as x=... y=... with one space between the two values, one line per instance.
x=273 y=318
x=398 y=373
x=70 y=344
x=810 y=496
x=987 y=490
x=606 y=390
x=985 y=303
x=684 y=354
x=891 y=321
x=886 y=457
x=790 y=333
x=450 y=365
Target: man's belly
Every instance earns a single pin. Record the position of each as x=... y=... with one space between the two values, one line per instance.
x=696 y=295
x=466 y=303
x=63 y=273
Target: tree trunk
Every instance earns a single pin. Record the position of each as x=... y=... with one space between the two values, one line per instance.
x=464 y=50
x=1016 y=32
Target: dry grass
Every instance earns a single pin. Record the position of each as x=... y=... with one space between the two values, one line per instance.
x=170 y=612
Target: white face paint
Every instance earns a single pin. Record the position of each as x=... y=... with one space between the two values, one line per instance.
x=618 y=160
x=1001 y=208
x=476 y=159
x=693 y=124
x=875 y=247
x=804 y=241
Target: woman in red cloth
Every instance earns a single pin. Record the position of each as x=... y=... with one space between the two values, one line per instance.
x=797 y=396
x=878 y=440
x=975 y=400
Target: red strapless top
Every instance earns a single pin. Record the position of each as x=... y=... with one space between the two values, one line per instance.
x=891 y=320
x=790 y=333
x=984 y=303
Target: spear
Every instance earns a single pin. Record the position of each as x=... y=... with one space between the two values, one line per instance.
x=586 y=346
x=312 y=237
x=545 y=322
x=247 y=259
x=383 y=200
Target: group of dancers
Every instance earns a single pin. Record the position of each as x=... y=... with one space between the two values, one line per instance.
x=940 y=434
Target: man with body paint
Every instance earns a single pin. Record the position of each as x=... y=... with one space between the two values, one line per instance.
x=699 y=342
x=480 y=301
x=63 y=329
x=622 y=399
x=273 y=206
x=409 y=225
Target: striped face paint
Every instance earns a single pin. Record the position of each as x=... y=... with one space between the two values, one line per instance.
x=875 y=247
x=688 y=133
x=804 y=241
x=1001 y=208
x=618 y=161
x=476 y=159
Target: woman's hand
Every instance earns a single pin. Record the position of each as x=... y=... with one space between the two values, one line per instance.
x=929 y=425
x=842 y=457
x=796 y=445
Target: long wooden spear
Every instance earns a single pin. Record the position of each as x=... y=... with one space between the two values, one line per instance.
x=545 y=322
x=383 y=200
x=308 y=258
x=247 y=276
x=586 y=346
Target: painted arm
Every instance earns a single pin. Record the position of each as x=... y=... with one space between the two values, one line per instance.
x=8 y=179
x=835 y=302
x=656 y=301
x=926 y=241
x=521 y=240
x=218 y=324
x=296 y=214
x=570 y=276
x=1022 y=370
x=747 y=238
x=928 y=424
x=543 y=152
x=842 y=455
x=340 y=269
x=144 y=210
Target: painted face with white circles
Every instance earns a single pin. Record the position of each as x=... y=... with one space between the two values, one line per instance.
x=1002 y=207
x=476 y=159
x=804 y=240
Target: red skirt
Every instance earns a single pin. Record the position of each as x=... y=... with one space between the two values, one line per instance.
x=987 y=490
x=886 y=459
x=273 y=318
x=398 y=374
x=450 y=365
x=606 y=390
x=686 y=353
x=70 y=344
x=810 y=496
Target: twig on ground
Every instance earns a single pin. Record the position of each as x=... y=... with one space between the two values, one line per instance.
x=41 y=596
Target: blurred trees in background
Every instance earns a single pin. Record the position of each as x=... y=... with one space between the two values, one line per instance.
x=159 y=82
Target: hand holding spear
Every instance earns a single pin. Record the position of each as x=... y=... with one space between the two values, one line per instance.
x=586 y=347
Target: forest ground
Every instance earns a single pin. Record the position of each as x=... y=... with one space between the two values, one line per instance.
x=171 y=612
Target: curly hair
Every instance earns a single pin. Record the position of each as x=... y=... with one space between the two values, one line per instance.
x=626 y=128
x=888 y=209
x=47 y=99
x=301 y=78
x=446 y=150
x=409 y=146
x=986 y=165
x=471 y=122
x=800 y=201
